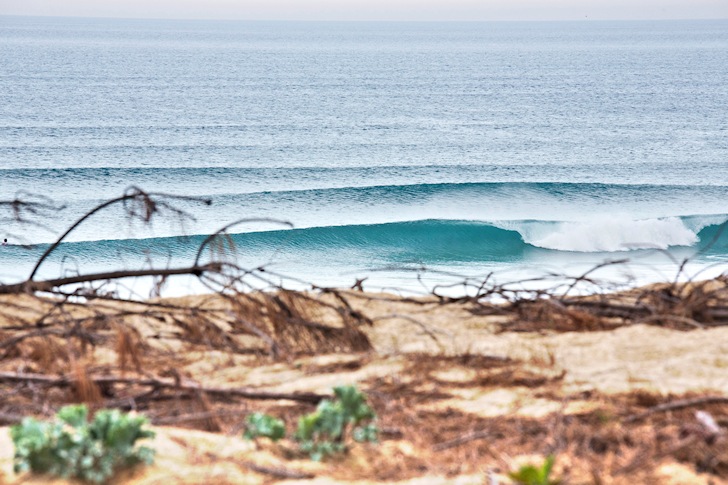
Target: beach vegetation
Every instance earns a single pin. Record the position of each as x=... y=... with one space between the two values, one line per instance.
x=530 y=474
x=71 y=446
x=326 y=431
x=261 y=425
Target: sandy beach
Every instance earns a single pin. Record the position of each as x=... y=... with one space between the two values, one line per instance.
x=461 y=397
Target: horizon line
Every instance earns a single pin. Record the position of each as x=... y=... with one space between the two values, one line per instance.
x=373 y=20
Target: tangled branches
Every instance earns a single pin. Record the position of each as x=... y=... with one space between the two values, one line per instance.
x=690 y=305
x=73 y=338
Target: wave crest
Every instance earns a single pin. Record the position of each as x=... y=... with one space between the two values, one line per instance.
x=426 y=241
x=608 y=234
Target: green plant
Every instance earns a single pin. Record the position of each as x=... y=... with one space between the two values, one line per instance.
x=533 y=475
x=324 y=432
x=71 y=446
x=259 y=424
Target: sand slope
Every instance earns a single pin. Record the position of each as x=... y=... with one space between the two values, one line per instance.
x=439 y=374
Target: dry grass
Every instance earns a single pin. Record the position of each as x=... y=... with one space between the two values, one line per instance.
x=455 y=398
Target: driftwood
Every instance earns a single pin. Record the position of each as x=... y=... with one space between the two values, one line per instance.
x=28 y=287
x=676 y=405
x=277 y=472
x=690 y=305
x=157 y=383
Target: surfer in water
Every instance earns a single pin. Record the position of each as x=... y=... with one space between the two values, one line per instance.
x=5 y=242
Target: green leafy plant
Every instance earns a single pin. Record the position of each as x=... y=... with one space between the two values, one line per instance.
x=71 y=446
x=533 y=475
x=325 y=431
x=264 y=425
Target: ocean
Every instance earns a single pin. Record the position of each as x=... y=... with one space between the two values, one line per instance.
x=410 y=154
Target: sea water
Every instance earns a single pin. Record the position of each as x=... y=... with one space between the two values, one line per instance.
x=412 y=154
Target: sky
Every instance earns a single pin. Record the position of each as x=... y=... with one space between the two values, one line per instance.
x=416 y=10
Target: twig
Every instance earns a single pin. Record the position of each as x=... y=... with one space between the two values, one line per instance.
x=430 y=332
x=48 y=285
x=224 y=229
x=306 y=397
x=132 y=194
x=670 y=318
x=278 y=472
x=194 y=417
x=584 y=275
x=10 y=418
x=675 y=405
x=476 y=435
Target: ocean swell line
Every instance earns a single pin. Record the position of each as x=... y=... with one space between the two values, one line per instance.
x=429 y=241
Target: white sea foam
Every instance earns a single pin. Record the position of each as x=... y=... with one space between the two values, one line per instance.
x=608 y=234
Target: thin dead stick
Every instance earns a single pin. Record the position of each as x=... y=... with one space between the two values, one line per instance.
x=429 y=331
x=277 y=471
x=584 y=276
x=476 y=435
x=48 y=285
x=222 y=231
x=10 y=418
x=671 y=319
x=194 y=417
x=10 y=342
x=606 y=308
x=675 y=405
x=307 y=397
x=132 y=195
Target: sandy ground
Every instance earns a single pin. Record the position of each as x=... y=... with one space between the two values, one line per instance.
x=440 y=373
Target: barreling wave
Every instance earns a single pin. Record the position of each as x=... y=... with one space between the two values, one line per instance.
x=434 y=241
x=501 y=240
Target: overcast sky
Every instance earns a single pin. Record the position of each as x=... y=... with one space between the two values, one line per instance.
x=374 y=9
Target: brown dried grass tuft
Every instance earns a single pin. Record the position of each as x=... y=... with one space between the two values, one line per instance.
x=693 y=303
x=48 y=353
x=550 y=314
x=86 y=391
x=683 y=306
x=128 y=349
x=298 y=324
x=295 y=322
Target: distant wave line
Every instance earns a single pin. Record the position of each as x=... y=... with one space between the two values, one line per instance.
x=70 y=171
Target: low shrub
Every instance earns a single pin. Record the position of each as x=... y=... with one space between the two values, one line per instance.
x=263 y=425
x=535 y=475
x=73 y=447
x=327 y=430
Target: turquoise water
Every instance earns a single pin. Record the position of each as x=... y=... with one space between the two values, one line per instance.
x=514 y=148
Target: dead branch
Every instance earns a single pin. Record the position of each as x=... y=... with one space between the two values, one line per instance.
x=676 y=405
x=26 y=208
x=194 y=417
x=10 y=418
x=305 y=397
x=138 y=204
x=426 y=329
x=49 y=285
x=671 y=318
x=461 y=440
x=209 y=239
x=278 y=472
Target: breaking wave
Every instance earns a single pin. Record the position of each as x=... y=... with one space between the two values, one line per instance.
x=429 y=241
